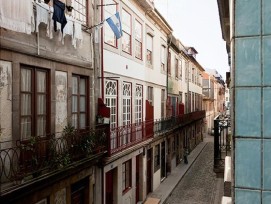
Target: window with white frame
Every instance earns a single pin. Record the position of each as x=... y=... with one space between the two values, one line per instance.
x=109 y=36
x=180 y=69
x=127 y=30
x=149 y=47
x=163 y=58
x=111 y=101
x=138 y=103
x=138 y=40
x=126 y=103
x=150 y=95
x=79 y=11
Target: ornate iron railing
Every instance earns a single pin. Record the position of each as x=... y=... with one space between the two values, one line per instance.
x=123 y=137
x=21 y=161
x=222 y=142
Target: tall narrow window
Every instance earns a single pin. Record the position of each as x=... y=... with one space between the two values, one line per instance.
x=126 y=175
x=34 y=100
x=138 y=103
x=150 y=95
x=186 y=72
x=138 y=40
x=126 y=103
x=157 y=157
x=169 y=64
x=163 y=58
x=149 y=49
x=79 y=11
x=163 y=102
x=109 y=37
x=111 y=101
x=126 y=29
x=79 y=101
x=176 y=67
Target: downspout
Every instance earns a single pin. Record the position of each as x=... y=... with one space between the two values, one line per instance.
x=168 y=46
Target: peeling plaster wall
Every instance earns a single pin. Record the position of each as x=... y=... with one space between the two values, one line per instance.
x=5 y=101
x=61 y=100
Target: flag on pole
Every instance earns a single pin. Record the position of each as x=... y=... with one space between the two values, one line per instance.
x=115 y=24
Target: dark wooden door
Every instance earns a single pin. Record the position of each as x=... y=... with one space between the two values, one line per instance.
x=149 y=170
x=80 y=192
x=137 y=177
x=109 y=187
x=163 y=160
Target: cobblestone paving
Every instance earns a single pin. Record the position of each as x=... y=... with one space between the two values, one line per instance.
x=199 y=184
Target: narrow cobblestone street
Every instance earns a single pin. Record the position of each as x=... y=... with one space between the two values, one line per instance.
x=199 y=185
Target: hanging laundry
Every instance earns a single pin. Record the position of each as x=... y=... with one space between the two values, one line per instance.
x=59 y=14
x=16 y=15
x=42 y=14
x=77 y=36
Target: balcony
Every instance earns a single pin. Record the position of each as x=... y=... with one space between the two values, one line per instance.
x=222 y=142
x=21 y=162
x=124 y=137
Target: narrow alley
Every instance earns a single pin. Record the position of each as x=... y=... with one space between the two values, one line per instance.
x=199 y=185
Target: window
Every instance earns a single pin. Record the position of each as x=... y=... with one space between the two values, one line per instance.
x=193 y=71
x=126 y=29
x=138 y=40
x=126 y=175
x=150 y=95
x=138 y=103
x=181 y=97
x=163 y=102
x=181 y=69
x=111 y=101
x=163 y=52
x=176 y=67
x=156 y=157
x=79 y=101
x=109 y=37
x=79 y=11
x=186 y=103
x=169 y=64
x=126 y=95
x=149 y=49
x=186 y=72
x=34 y=100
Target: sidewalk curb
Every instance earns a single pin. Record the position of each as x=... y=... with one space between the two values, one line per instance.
x=165 y=200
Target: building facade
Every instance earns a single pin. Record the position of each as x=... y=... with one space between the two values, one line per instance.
x=247 y=39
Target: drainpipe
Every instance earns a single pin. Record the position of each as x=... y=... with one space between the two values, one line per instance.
x=167 y=58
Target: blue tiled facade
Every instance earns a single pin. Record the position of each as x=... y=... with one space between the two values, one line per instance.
x=251 y=91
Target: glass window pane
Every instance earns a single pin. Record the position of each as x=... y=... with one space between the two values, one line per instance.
x=41 y=126
x=83 y=86
x=74 y=85
x=25 y=128
x=25 y=104
x=82 y=120
x=74 y=104
x=41 y=104
x=74 y=120
x=41 y=81
x=149 y=42
x=82 y=103
x=26 y=80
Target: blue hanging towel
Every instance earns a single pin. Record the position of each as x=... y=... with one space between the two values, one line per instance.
x=59 y=14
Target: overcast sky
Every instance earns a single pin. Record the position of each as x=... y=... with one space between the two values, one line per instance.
x=196 y=24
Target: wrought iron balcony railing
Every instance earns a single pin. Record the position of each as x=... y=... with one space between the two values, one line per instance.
x=21 y=161
x=123 y=137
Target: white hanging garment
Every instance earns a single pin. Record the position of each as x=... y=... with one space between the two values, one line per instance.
x=16 y=15
x=78 y=36
x=42 y=14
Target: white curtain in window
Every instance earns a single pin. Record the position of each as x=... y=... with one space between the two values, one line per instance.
x=17 y=15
